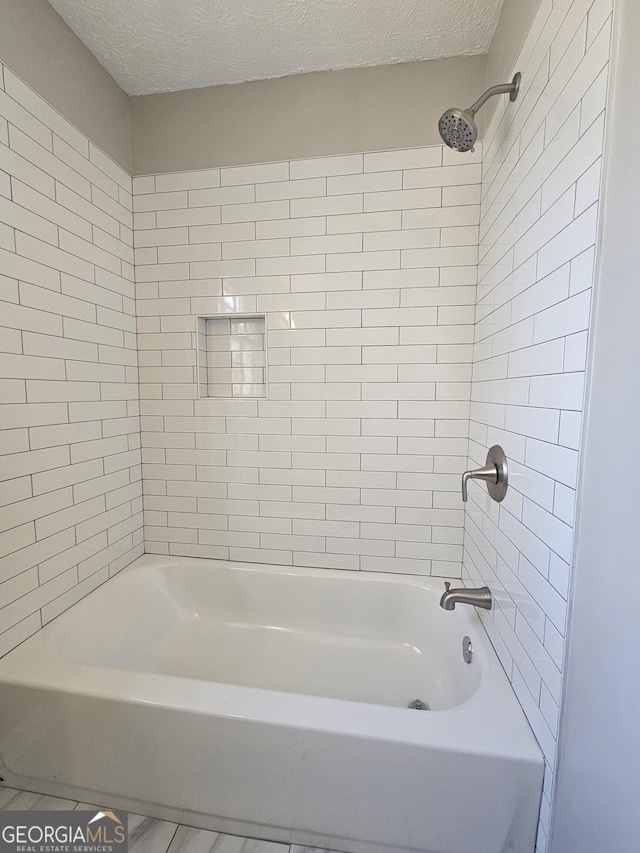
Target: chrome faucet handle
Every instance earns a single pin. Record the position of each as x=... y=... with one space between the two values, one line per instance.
x=447 y=586
x=494 y=474
x=489 y=473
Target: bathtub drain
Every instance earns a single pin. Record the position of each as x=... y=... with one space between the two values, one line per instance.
x=418 y=705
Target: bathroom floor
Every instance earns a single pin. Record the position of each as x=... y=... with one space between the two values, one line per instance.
x=148 y=835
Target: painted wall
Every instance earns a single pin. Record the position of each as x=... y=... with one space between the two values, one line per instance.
x=515 y=21
x=596 y=790
x=39 y=46
x=70 y=514
x=540 y=195
x=365 y=267
x=307 y=115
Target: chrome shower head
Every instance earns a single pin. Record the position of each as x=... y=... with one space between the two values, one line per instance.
x=458 y=128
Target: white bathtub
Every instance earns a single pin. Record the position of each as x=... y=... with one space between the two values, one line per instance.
x=272 y=702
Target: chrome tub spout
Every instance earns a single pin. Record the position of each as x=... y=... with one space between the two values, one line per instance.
x=480 y=597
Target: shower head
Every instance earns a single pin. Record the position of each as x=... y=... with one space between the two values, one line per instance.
x=458 y=128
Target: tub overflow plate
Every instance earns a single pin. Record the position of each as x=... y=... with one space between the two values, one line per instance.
x=467 y=650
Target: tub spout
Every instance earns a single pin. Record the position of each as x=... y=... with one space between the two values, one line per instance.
x=480 y=597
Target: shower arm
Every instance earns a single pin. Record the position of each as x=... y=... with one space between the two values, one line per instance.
x=503 y=89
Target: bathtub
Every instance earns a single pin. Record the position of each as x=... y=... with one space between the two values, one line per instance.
x=272 y=702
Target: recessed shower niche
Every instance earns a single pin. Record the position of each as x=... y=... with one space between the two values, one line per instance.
x=232 y=356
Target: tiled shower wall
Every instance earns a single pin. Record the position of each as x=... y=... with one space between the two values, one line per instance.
x=364 y=267
x=70 y=501
x=540 y=193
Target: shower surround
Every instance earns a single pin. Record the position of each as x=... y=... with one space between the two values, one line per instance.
x=540 y=198
x=364 y=268
x=71 y=498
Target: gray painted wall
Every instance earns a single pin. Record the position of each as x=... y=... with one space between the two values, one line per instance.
x=515 y=19
x=514 y=23
x=328 y=112
x=39 y=47
x=308 y=115
x=596 y=806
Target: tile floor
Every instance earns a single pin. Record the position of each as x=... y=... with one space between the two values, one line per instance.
x=148 y=835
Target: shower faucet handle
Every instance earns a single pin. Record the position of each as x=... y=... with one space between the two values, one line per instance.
x=495 y=474
x=488 y=473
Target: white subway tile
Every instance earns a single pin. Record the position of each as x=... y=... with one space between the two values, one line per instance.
x=180 y=217
x=588 y=187
x=13 y=111
x=326 y=391
x=110 y=167
x=364 y=222
x=310 y=227
x=463 y=195
x=399 y=316
x=398 y=354
x=416 y=239
x=594 y=100
x=364 y=299
x=363 y=261
x=460 y=236
x=21 y=168
x=301 y=264
x=223 y=196
x=331 y=244
x=326 y=319
x=409 y=158
x=215 y=233
x=452 y=158
x=403 y=199
x=388 y=336
x=176 y=181
x=402 y=278
x=445 y=176
x=48 y=162
x=329 y=206
x=160 y=201
x=349 y=164
x=5 y=183
x=245 y=249
x=327 y=282
x=79 y=163
x=265 y=173
x=145 y=184
x=365 y=183
x=435 y=217
x=566 y=318
x=309 y=188
x=263 y=210
x=440 y=257
x=36 y=105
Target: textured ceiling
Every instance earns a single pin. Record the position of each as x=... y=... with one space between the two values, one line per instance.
x=168 y=45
